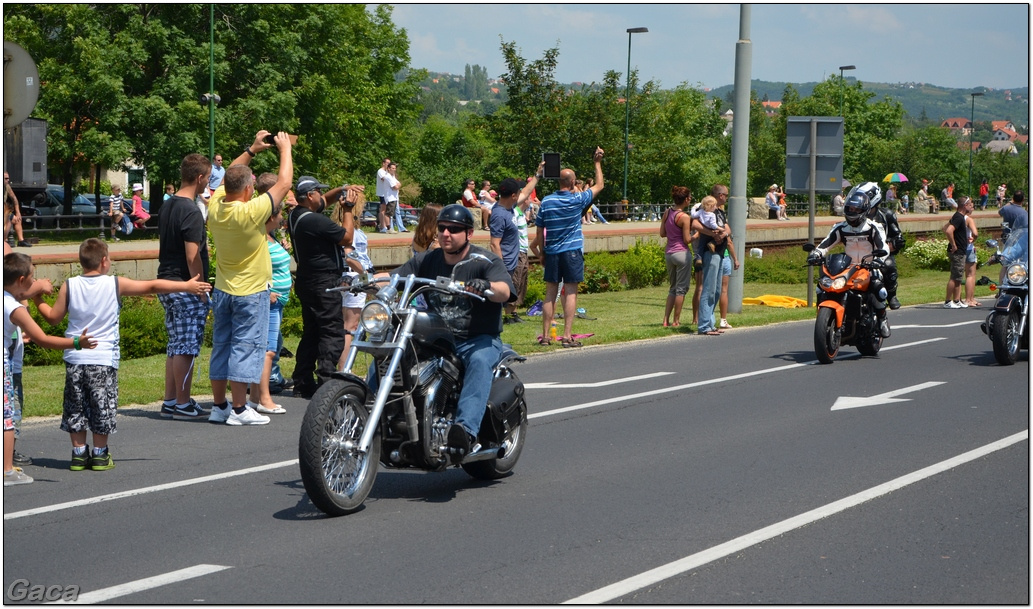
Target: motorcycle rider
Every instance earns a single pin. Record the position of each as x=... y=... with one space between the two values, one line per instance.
x=475 y=324
x=860 y=237
x=886 y=219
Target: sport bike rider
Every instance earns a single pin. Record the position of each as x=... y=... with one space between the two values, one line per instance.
x=886 y=219
x=860 y=237
x=476 y=325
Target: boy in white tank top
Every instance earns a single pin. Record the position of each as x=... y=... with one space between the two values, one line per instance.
x=93 y=300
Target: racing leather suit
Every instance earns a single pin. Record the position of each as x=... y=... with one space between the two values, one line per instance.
x=858 y=242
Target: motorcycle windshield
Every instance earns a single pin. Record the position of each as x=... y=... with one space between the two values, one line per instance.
x=1016 y=249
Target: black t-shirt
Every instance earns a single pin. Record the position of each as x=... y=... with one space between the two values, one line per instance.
x=180 y=221
x=316 y=241
x=465 y=316
x=960 y=231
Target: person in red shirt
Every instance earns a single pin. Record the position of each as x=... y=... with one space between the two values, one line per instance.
x=984 y=194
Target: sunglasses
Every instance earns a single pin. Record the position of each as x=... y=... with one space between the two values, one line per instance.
x=451 y=228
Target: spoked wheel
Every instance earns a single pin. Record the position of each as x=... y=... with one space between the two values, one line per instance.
x=494 y=469
x=336 y=475
x=826 y=338
x=1006 y=337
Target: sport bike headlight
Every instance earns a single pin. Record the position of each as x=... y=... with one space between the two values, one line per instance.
x=1017 y=274
x=833 y=284
x=375 y=317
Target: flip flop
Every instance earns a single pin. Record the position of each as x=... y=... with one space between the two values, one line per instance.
x=711 y=333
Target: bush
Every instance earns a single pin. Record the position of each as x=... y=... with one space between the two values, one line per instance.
x=928 y=254
x=787 y=265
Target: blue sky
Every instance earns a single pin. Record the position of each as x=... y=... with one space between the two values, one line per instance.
x=949 y=45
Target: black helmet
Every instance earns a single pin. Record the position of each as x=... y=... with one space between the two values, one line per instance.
x=856 y=208
x=456 y=213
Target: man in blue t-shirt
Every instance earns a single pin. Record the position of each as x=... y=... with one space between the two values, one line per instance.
x=1013 y=214
x=559 y=235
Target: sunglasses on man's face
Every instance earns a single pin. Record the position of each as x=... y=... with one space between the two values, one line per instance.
x=451 y=228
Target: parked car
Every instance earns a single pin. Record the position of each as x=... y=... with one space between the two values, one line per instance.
x=50 y=203
x=104 y=201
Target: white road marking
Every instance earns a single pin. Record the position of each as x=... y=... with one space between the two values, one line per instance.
x=956 y=325
x=684 y=565
x=106 y=594
x=149 y=489
x=713 y=381
x=251 y=470
x=627 y=379
x=844 y=402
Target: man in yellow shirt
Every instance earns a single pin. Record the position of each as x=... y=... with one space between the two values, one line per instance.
x=240 y=300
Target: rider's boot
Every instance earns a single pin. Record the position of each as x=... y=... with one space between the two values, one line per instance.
x=884 y=325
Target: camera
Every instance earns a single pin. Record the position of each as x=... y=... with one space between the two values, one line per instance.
x=270 y=139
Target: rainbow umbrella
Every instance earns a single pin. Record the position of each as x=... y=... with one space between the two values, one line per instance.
x=895 y=177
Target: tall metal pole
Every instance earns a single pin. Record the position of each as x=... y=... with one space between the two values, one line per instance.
x=627 y=111
x=972 y=130
x=737 y=205
x=841 y=68
x=211 y=81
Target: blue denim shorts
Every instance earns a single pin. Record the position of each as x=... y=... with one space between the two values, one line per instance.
x=239 y=336
x=726 y=266
x=568 y=267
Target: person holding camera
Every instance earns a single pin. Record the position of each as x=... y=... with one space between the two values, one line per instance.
x=244 y=272
x=317 y=243
x=560 y=238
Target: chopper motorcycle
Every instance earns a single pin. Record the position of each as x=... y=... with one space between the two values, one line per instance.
x=350 y=428
x=846 y=307
x=1007 y=325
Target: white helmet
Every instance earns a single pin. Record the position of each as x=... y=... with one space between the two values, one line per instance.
x=871 y=190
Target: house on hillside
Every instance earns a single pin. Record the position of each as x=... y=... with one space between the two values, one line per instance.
x=966 y=145
x=1007 y=135
x=995 y=125
x=958 y=124
x=1002 y=146
x=771 y=107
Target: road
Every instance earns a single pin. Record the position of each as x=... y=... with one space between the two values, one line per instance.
x=704 y=470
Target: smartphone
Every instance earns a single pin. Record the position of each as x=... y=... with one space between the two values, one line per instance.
x=269 y=138
x=552 y=165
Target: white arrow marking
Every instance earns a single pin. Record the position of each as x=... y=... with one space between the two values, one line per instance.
x=889 y=397
x=557 y=385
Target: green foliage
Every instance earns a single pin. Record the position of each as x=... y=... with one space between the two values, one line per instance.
x=782 y=266
x=929 y=254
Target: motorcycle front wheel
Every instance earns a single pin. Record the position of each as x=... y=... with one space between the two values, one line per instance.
x=509 y=453
x=337 y=477
x=1006 y=337
x=826 y=339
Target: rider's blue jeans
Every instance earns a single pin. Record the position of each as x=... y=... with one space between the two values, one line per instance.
x=479 y=354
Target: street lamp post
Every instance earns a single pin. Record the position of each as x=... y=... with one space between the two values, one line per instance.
x=627 y=112
x=972 y=129
x=841 y=69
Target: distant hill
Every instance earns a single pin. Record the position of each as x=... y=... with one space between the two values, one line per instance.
x=937 y=103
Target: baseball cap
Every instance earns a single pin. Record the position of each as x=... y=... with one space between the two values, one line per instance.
x=307 y=184
x=510 y=187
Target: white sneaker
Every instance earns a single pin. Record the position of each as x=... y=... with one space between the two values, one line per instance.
x=961 y=305
x=950 y=305
x=16 y=476
x=220 y=415
x=248 y=417
x=725 y=325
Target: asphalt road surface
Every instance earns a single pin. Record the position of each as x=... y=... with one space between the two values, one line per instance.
x=729 y=469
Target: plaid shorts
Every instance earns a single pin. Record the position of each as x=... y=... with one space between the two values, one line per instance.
x=185 y=316
x=9 y=397
x=91 y=397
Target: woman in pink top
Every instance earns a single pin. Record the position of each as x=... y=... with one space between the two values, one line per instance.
x=675 y=227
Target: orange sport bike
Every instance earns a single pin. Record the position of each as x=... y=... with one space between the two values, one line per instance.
x=847 y=293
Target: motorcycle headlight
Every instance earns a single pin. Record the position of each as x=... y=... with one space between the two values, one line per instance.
x=838 y=283
x=375 y=317
x=1017 y=274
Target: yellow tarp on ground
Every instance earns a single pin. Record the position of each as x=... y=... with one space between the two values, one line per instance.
x=786 y=302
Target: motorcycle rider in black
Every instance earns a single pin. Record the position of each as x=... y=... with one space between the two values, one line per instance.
x=860 y=237
x=475 y=324
x=887 y=219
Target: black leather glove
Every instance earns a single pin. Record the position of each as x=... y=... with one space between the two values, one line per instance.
x=813 y=258
x=478 y=286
